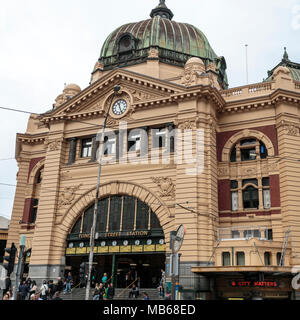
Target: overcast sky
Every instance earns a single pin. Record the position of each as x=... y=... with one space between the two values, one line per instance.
x=44 y=44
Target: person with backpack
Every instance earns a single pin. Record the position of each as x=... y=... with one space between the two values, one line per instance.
x=44 y=290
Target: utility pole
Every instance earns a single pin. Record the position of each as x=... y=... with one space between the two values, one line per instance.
x=93 y=230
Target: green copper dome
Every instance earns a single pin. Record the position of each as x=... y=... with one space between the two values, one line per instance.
x=176 y=43
x=162 y=33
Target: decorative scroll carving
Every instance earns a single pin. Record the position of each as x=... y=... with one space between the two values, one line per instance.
x=250 y=171
x=166 y=186
x=142 y=96
x=68 y=195
x=187 y=125
x=54 y=145
x=222 y=172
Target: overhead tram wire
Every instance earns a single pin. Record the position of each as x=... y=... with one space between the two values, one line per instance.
x=76 y=194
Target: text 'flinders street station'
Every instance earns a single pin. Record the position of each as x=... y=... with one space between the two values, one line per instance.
x=180 y=148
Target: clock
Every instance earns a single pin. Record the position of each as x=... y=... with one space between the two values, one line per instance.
x=137 y=242
x=119 y=107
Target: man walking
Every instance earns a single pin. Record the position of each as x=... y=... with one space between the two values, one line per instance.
x=69 y=281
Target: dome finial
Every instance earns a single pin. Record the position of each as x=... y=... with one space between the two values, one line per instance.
x=285 y=55
x=162 y=10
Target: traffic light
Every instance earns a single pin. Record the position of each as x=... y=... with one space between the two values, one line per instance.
x=10 y=259
x=82 y=273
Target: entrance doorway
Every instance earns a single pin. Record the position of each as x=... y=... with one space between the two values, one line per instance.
x=127 y=268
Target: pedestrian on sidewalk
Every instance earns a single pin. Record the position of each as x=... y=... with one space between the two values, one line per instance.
x=110 y=292
x=69 y=281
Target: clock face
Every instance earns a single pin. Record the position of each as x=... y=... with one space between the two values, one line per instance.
x=119 y=107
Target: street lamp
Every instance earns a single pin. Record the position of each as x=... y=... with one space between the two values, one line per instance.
x=93 y=230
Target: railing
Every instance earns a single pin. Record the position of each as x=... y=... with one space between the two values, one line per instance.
x=244 y=233
x=297 y=85
x=78 y=285
x=127 y=287
x=250 y=89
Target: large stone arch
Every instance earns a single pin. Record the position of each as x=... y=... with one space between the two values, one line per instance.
x=245 y=134
x=66 y=223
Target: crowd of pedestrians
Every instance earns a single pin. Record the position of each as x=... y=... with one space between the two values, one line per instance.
x=29 y=290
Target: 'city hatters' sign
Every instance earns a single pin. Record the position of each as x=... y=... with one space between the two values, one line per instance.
x=255 y=284
x=116 y=234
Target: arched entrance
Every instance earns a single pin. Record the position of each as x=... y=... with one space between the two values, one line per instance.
x=130 y=242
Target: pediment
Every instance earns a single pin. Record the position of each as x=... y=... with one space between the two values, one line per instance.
x=138 y=89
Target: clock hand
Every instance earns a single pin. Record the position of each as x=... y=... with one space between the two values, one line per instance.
x=120 y=108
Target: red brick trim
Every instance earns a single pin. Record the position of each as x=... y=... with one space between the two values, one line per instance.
x=32 y=164
x=244 y=214
x=28 y=203
x=224 y=195
x=223 y=137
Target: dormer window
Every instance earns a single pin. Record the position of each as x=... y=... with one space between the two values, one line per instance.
x=126 y=44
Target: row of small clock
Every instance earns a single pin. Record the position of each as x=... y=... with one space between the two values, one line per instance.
x=115 y=243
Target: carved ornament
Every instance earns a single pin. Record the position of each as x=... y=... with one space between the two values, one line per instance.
x=166 y=186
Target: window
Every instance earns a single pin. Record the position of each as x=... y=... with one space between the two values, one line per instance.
x=115 y=213
x=109 y=146
x=267 y=257
x=142 y=216
x=278 y=258
x=134 y=141
x=119 y=213
x=235 y=234
x=226 y=259
x=128 y=214
x=250 y=198
x=269 y=234
x=240 y=258
x=102 y=215
x=266 y=193
x=40 y=176
x=35 y=206
x=158 y=138
x=248 y=234
x=248 y=150
x=76 y=228
x=86 y=148
x=234 y=195
x=233 y=155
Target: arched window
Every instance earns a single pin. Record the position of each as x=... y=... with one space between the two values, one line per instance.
x=226 y=259
x=248 y=150
x=240 y=258
x=117 y=214
x=267 y=257
x=250 y=198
